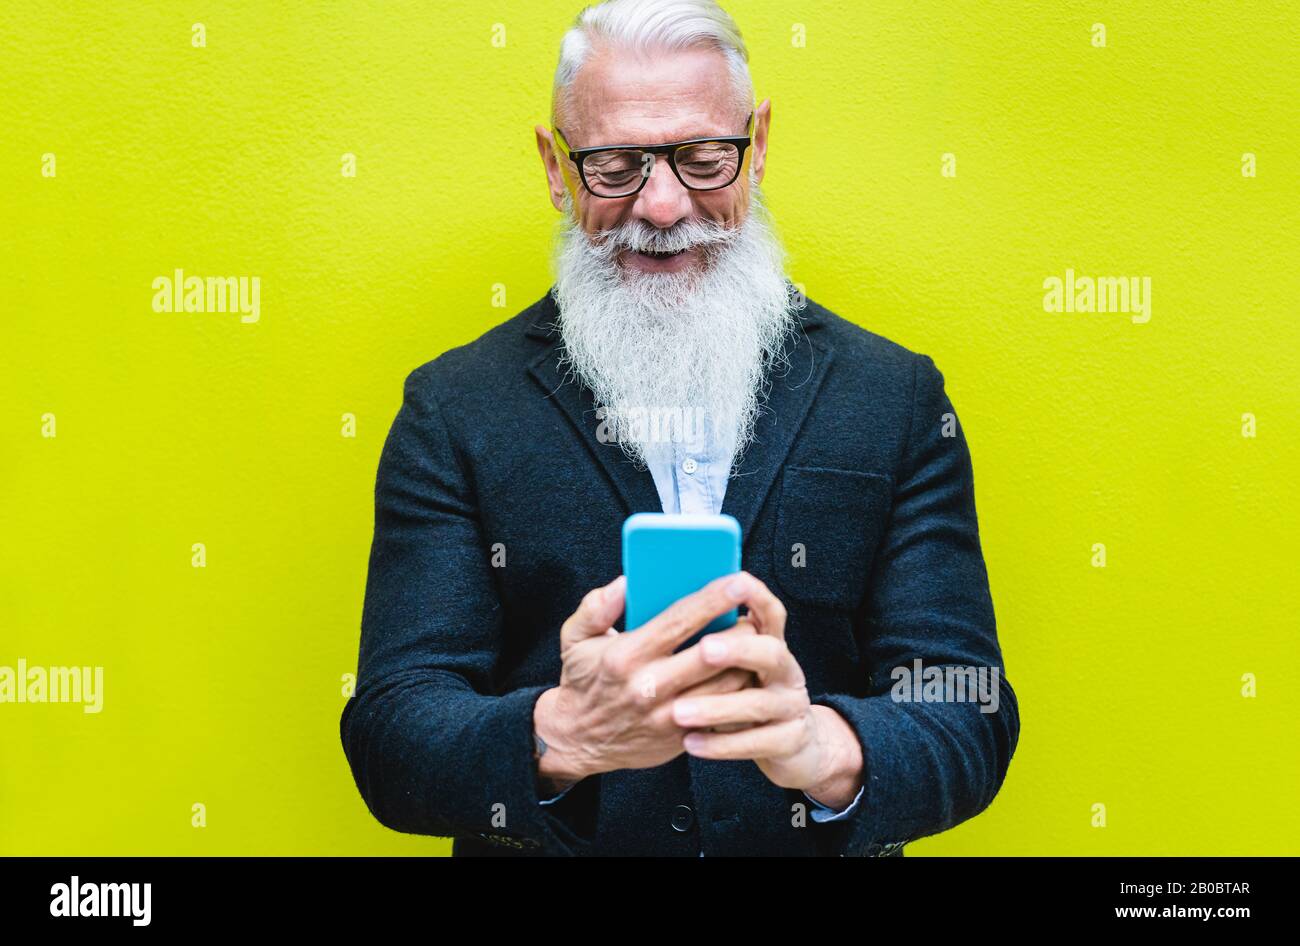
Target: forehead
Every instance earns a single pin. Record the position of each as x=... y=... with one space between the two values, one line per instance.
x=621 y=98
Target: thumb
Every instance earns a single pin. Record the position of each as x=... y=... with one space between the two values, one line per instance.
x=596 y=614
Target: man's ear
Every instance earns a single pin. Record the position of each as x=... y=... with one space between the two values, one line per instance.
x=762 y=121
x=555 y=182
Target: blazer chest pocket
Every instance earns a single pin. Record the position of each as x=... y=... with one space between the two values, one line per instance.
x=828 y=525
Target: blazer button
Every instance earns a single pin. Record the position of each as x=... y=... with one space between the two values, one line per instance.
x=683 y=818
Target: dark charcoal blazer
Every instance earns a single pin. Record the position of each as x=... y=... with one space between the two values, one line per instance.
x=493 y=445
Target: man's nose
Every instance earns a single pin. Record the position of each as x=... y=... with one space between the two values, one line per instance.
x=663 y=201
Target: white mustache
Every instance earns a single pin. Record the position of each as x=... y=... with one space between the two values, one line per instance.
x=697 y=343
x=642 y=237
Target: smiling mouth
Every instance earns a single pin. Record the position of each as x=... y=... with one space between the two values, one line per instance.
x=656 y=255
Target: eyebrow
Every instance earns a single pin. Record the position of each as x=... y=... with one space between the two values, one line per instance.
x=660 y=138
x=664 y=138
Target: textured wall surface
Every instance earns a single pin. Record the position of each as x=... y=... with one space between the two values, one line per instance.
x=224 y=683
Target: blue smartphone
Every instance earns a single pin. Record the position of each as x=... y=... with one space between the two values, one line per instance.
x=667 y=557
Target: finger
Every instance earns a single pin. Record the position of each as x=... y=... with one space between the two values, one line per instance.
x=768 y=657
x=679 y=671
x=770 y=741
x=765 y=608
x=729 y=681
x=663 y=633
x=596 y=614
x=755 y=705
x=728 y=727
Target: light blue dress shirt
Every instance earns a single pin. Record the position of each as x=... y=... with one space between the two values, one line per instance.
x=695 y=481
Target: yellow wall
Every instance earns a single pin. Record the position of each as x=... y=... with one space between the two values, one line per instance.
x=223 y=683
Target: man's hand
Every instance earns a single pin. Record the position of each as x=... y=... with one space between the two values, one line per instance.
x=613 y=707
x=796 y=744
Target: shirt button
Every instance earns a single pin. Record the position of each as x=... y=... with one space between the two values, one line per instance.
x=689 y=465
x=683 y=818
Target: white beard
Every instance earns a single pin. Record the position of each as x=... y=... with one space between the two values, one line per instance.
x=669 y=356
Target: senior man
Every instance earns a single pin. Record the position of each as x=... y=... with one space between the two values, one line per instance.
x=498 y=703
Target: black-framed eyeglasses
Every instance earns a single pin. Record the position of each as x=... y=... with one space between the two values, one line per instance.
x=701 y=164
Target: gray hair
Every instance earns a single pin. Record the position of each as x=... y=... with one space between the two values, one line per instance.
x=646 y=26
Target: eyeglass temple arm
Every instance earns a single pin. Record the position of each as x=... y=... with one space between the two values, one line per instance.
x=561 y=142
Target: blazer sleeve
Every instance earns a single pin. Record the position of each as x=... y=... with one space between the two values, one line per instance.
x=432 y=748
x=927 y=766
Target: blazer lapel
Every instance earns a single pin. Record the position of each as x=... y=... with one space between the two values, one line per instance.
x=636 y=487
x=789 y=399
x=791 y=394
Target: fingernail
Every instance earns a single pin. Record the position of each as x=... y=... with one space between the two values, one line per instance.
x=738 y=586
x=714 y=650
x=614 y=587
x=693 y=741
x=685 y=710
